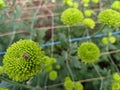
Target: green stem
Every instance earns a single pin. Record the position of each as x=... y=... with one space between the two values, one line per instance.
x=113 y=63
x=101 y=86
x=98 y=30
x=68 y=54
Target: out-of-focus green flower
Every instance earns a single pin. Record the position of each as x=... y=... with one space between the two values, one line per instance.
x=115 y=85
x=53 y=75
x=75 y=5
x=23 y=60
x=88 y=13
x=68 y=2
x=116 y=5
x=116 y=77
x=2 y=4
x=78 y=86
x=89 y=22
x=48 y=62
x=116 y=82
x=68 y=84
x=105 y=40
x=72 y=16
x=88 y=52
x=109 y=17
x=58 y=66
x=86 y=1
x=112 y=39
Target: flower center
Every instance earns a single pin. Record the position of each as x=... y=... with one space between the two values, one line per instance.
x=25 y=56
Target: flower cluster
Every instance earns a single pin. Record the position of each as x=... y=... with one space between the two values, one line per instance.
x=109 y=17
x=116 y=5
x=70 y=3
x=107 y=40
x=116 y=83
x=48 y=62
x=72 y=16
x=23 y=60
x=88 y=52
x=48 y=67
x=70 y=85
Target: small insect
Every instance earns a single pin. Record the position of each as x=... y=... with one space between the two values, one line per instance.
x=25 y=56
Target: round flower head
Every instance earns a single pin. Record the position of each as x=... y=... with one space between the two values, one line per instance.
x=112 y=39
x=2 y=4
x=78 y=86
x=115 y=85
x=88 y=52
x=105 y=40
x=89 y=22
x=68 y=2
x=53 y=75
x=116 y=77
x=109 y=17
x=48 y=62
x=58 y=67
x=68 y=84
x=75 y=5
x=23 y=60
x=71 y=16
x=88 y=13
x=86 y=1
x=116 y=5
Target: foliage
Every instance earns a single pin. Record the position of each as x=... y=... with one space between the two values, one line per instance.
x=62 y=29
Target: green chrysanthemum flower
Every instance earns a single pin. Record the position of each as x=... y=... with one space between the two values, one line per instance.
x=71 y=16
x=86 y=1
x=112 y=39
x=23 y=60
x=105 y=40
x=78 y=86
x=116 y=77
x=68 y=84
x=88 y=52
x=116 y=5
x=75 y=5
x=89 y=22
x=48 y=62
x=68 y=2
x=53 y=75
x=88 y=12
x=115 y=85
x=109 y=17
x=58 y=67
x=2 y=4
